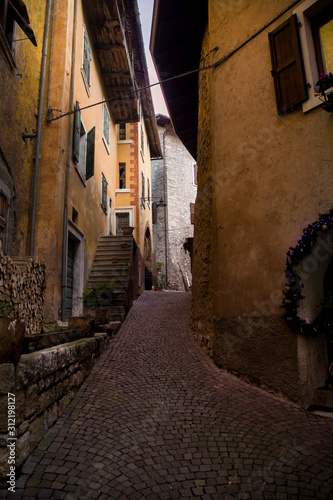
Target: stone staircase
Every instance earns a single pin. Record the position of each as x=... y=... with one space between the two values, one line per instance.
x=112 y=263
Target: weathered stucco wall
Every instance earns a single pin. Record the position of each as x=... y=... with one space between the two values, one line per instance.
x=19 y=112
x=271 y=177
x=203 y=287
x=178 y=193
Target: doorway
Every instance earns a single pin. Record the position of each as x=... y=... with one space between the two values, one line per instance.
x=122 y=220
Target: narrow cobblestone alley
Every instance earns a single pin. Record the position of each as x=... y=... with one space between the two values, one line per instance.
x=157 y=419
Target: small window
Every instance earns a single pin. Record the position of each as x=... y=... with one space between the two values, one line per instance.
x=195 y=174
x=3 y=221
x=122 y=131
x=104 y=192
x=86 y=59
x=106 y=126
x=90 y=162
x=192 y=210
x=148 y=192
x=122 y=175
x=143 y=204
x=322 y=29
x=154 y=212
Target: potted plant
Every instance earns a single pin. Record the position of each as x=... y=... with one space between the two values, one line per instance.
x=325 y=84
x=127 y=230
x=12 y=332
x=159 y=265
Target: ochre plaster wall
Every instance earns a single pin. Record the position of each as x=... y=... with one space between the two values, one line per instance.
x=271 y=177
x=19 y=110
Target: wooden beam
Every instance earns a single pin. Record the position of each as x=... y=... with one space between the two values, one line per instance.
x=116 y=74
x=108 y=46
x=106 y=22
x=120 y=88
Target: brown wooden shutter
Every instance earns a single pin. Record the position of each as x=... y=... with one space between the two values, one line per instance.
x=192 y=210
x=77 y=133
x=287 y=62
x=90 y=160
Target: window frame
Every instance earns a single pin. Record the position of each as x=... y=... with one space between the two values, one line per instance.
x=85 y=76
x=305 y=13
x=106 y=133
x=123 y=165
x=104 y=197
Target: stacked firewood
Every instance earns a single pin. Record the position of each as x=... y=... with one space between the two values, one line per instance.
x=22 y=285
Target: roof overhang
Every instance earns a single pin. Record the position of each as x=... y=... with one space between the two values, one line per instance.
x=115 y=30
x=176 y=42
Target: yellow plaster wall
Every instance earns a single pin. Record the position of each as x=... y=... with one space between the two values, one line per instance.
x=19 y=109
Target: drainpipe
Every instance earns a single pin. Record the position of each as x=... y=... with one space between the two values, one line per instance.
x=67 y=173
x=39 y=124
x=51 y=57
x=165 y=208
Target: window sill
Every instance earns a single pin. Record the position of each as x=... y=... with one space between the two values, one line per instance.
x=120 y=191
x=80 y=174
x=106 y=145
x=85 y=81
x=312 y=103
x=125 y=142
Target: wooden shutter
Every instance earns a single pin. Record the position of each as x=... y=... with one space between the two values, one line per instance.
x=90 y=153
x=192 y=210
x=287 y=63
x=195 y=174
x=104 y=192
x=77 y=133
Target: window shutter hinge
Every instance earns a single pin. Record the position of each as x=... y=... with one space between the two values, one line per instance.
x=272 y=72
x=309 y=85
x=300 y=24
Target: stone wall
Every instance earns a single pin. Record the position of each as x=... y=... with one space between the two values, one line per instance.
x=173 y=181
x=42 y=385
x=22 y=285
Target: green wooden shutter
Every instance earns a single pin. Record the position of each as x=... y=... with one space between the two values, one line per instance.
x=104 y=192
x=90 y=153
x=287 y=65
x=77 y=133
x=86 y=57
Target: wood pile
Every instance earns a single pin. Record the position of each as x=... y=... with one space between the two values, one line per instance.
x=22 y=285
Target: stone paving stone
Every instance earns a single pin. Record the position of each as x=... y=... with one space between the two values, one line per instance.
x=156 y=419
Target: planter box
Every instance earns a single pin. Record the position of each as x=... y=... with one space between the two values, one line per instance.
x=12 y=332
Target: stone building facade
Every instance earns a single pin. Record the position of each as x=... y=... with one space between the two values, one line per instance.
x=174 y=182
x=253 y=117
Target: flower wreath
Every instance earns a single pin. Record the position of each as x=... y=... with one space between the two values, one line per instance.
x=294 y=286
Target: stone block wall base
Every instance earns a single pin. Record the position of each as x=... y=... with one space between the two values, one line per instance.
x=43 y=384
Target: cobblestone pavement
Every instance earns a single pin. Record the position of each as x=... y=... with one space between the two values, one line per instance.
x=157 y=419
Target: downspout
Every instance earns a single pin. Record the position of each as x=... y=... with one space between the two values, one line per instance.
x=165 y=207
x=51 y=57
x=39 y=125
x=67 y=173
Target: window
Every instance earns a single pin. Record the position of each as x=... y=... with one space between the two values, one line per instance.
x=3 y=221
x=148 y=192
x=122 y=131
x=104 y=192
x=143 y=190
x=106 y=127
x=322 y=30
x=90 y=163
x=192 y=210
x=12 y=12
x=195 y=174
x=83 y=146
x=142 y=140
x=122 y=175
x=86 y=59
x=287 y=65
x=301 y=49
